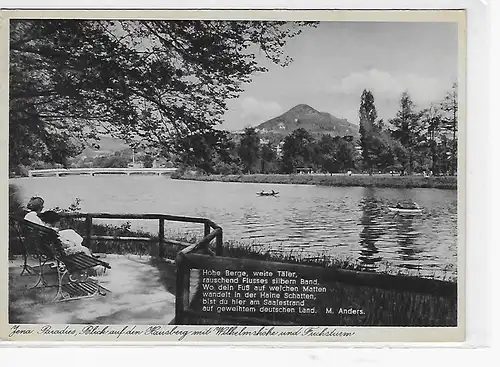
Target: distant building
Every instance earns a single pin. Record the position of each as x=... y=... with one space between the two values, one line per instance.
x=304 y=170
x=279 y=149
x=135 y=165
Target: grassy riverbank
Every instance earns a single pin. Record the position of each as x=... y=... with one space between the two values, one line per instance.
x=399 y=298
x=364 y=180
x=402 y=297
x=343 y=304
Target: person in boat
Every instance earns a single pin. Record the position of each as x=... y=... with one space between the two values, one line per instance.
x=410 y=206
x=262 y=192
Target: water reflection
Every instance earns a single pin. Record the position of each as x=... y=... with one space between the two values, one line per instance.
x=385 y=235
x=407 y=238
x=371 y=230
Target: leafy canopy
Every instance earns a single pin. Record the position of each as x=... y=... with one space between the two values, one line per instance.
x=150 y=82
x=249 y=148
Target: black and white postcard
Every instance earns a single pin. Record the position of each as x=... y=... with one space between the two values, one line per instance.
x=233 y=176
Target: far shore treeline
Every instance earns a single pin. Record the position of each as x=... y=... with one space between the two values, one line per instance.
x=162 y=87
x=414 y=141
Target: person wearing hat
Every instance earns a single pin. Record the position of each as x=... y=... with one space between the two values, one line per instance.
x=71 y=241
x=35 y=207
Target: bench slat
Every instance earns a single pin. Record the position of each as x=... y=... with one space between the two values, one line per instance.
x=81 y=261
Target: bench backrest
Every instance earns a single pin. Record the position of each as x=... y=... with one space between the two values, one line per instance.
x=40 y=239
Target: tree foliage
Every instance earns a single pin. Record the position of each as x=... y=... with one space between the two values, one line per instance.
x=118 y=159
x=408 y=129
x=148 y=161
x=449 y=107
x=267 y=157
x=367 y=118
x=298 y=150
x=335 y=154
x=432 y=123
x=204 y=150
x=249 y=148
x=149 y=81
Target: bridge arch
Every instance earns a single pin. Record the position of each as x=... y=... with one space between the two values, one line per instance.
x=58 y=172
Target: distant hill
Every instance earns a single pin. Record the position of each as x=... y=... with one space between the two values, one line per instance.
x=306 y=117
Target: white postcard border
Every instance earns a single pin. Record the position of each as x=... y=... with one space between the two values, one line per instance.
x=368 y=334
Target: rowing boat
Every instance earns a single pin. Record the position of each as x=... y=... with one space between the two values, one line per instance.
x=406 y=210
x=267 y=193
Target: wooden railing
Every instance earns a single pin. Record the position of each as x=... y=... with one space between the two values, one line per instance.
x=211 y=230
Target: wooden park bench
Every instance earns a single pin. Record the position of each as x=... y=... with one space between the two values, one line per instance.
x=43 y=244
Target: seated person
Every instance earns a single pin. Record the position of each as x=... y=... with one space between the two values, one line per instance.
x=35 y=207
x=71 y=241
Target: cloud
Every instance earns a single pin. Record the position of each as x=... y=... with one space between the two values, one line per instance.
x=250 y=111
x=260 y=111
x=384 y=85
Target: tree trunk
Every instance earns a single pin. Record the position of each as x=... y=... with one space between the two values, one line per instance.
x=434 y=157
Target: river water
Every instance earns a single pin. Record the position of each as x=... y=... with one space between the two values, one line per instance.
x=346 y=222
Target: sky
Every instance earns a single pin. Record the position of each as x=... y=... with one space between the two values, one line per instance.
x=334 y=62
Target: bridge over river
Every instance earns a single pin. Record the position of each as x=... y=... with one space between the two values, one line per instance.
x=100 y=171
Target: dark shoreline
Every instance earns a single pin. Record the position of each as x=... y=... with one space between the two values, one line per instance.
x=339 y=180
